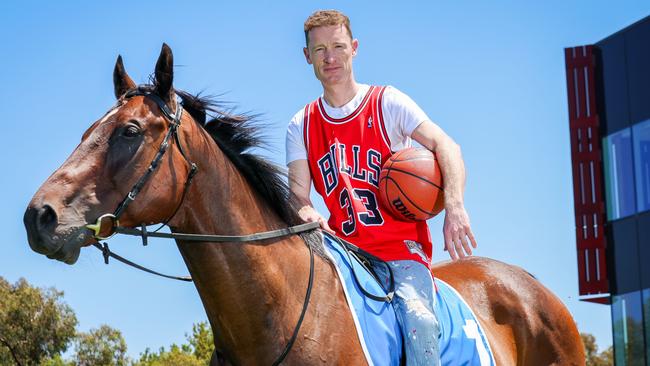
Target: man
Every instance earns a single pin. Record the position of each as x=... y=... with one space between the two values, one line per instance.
x=340 y=142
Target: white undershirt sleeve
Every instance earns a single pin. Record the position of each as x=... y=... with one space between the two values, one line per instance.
x=294 y=142
x=401 y=116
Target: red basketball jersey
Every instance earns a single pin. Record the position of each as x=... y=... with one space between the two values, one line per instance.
x=345 y=158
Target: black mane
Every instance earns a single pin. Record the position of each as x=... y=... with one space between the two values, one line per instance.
x=236 y=135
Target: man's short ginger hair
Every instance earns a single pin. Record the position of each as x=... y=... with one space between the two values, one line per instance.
x=324 y=18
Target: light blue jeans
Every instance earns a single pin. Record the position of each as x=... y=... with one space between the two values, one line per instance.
x=414 y=305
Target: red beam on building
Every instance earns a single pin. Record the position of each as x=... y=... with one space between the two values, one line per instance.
x=586 y=158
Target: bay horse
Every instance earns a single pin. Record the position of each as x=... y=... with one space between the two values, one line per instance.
x=253 y=293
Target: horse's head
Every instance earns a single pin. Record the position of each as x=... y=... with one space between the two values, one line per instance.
x=114 y=153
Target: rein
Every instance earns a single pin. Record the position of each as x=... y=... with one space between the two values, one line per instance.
x=115 y=228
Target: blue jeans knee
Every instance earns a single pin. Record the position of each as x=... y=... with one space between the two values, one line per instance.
x=414 y=306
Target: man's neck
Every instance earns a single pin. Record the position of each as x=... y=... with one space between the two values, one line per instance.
x=338 y=95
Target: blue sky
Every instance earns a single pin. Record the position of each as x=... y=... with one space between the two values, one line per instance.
x=490 y=73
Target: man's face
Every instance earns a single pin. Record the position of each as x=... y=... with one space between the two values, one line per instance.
x=330 y=51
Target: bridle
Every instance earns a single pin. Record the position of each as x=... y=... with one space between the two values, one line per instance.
x=172 y=132
x=112 y=219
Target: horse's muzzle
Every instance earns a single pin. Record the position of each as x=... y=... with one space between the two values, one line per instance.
x=40 y=223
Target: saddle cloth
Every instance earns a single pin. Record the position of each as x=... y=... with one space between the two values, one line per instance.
x=462 y=340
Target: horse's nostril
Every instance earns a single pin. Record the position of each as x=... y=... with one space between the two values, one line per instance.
x=46 y=219
x=40 y=223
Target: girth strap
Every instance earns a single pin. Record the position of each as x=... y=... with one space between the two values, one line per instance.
x=363 y=255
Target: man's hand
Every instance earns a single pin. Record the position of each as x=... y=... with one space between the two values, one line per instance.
x=309 y=214
x=457 y=231
x=300 y=185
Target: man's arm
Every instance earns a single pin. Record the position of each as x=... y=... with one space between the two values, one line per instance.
x=456 y=228
x=300 y=186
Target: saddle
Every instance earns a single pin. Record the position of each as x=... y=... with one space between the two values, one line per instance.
x=462 y=340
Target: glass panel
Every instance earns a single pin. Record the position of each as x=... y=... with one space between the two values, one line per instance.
x=646 y=321
x=641 y=134
x=619 y=174
x=627 y=321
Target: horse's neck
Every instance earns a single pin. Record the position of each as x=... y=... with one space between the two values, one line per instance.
x=248 y=290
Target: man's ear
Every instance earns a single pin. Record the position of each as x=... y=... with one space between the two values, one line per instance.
x=305 y=51
x=355 y=46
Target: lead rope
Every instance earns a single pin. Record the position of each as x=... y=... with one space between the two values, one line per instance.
x=106 y=252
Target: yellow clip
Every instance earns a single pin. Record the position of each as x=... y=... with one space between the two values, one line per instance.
x=96 y=228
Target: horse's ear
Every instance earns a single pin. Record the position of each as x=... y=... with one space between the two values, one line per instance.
x=121 y=80
x=165 y=73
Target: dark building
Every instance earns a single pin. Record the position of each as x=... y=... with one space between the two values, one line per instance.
x=608 y=87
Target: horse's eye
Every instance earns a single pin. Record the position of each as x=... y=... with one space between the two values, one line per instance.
x=131 y=131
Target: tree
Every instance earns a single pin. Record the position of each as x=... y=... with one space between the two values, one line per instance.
x=101 y=347
x=35 y=325
x=607 y=356
x=593 y=358
x=177 y=355
x=202 y=342
x=56 y=361
x=197 y=352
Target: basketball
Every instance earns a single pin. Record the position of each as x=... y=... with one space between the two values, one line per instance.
x=410 y=185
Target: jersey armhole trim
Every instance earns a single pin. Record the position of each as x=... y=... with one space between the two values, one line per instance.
x=380 y=113
x=305 y=128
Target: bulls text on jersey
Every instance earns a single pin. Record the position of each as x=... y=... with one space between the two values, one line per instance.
x=336 y=161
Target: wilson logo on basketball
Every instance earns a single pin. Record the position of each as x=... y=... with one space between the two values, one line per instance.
x=399 y=206
x=410 y=185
